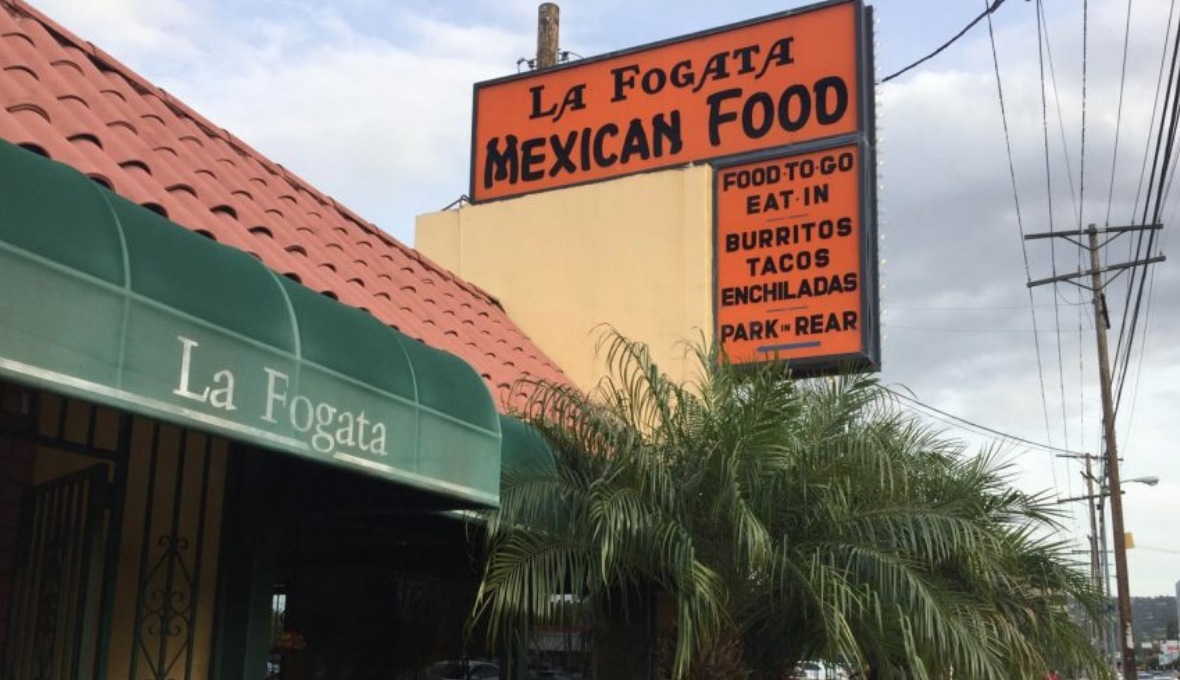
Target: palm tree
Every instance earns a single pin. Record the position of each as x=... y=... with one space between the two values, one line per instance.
x=785 y=519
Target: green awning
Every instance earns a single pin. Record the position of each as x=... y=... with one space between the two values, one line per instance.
x=107 y=301
x=525 y=448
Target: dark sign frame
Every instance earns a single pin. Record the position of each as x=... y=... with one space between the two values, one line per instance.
x=870 y=356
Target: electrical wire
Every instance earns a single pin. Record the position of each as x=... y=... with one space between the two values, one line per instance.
x=1171 y=115
x=1044 y=51
x=1052 y=227
x=1118 y=119
x=986 y=13
x=1085 y=69
x=1082 y=305
x=967 y=308
x=1081 y=181
x=979 y=427
x=1146 y=320
x=1020 y=227
x=1073 y=194
x=1137 y=253
x=943 y=329
x=1125 y=444
x=1154 y=110
x=1171 y=180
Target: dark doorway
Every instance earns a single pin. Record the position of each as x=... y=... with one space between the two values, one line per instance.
x=58 y=594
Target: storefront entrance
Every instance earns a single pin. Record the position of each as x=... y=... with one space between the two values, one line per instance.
x=58 y=578
x=117 y=534
x=375 y=598
x=146 y=551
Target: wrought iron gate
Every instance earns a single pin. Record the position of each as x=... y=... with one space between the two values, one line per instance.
x=56 y=618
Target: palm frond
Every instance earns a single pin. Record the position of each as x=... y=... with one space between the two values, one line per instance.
x=786 y=519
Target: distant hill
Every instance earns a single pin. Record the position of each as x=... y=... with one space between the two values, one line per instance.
x=1151 y=617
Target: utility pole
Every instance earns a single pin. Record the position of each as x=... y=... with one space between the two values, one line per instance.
x=1095 y=565
x=1101 y=325
x=1110 y=623
x=548 y=25
x=1097 y=573
x=1101 y=320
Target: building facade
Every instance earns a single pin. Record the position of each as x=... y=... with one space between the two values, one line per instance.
x=239 y=425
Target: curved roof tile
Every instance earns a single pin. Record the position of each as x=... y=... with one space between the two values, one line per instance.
x=70 y=100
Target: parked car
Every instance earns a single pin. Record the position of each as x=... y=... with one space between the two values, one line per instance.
x=463 y=670
x=820 y=670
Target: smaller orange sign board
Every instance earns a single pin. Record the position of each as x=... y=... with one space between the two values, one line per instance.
x=790 y=253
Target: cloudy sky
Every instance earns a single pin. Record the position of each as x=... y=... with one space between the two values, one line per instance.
x=370 y=100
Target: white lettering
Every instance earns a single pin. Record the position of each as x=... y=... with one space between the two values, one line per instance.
x=273 y=395
x=361 y=425
x=346 y=435
x=186 y=359
x=308 y=409
x=322 y=441
x=330 y=426
x=223 y=396
x=377 y=446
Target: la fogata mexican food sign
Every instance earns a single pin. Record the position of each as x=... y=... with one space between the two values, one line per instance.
x=780 y=80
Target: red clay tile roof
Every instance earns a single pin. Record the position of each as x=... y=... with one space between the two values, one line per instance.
x=69 y=100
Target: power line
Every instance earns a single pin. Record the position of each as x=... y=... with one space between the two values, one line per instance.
x=1118 y=120
x=1171 y=115
x=1139 y=368
x=1007 y=436
x=1122 y=357
x=1053 y=246
x=1085 y=68
x=1149 y=548
x=1171 y=180
x=1083 y=307
x=1143 y=344
x=986 y=13
x=1081 y=186
x=1073 y=194
x=945 y=329
x=1020 y=225
x=1154 y=109
x=969 y=308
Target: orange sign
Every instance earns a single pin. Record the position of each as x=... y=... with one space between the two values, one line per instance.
x=781 y=80
x=791 y=247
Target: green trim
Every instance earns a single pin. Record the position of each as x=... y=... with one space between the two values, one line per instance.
x=104 y=300
x=524 y=445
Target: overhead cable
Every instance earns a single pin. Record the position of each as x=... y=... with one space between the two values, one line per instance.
x=1006 y=436
x=986 y=13
x=1020 y=226
x=1171 y=115
x=1052 y=227
x=1135 y=251
x=1118 y=118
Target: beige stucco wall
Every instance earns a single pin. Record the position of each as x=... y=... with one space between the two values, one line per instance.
x=634 y=252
